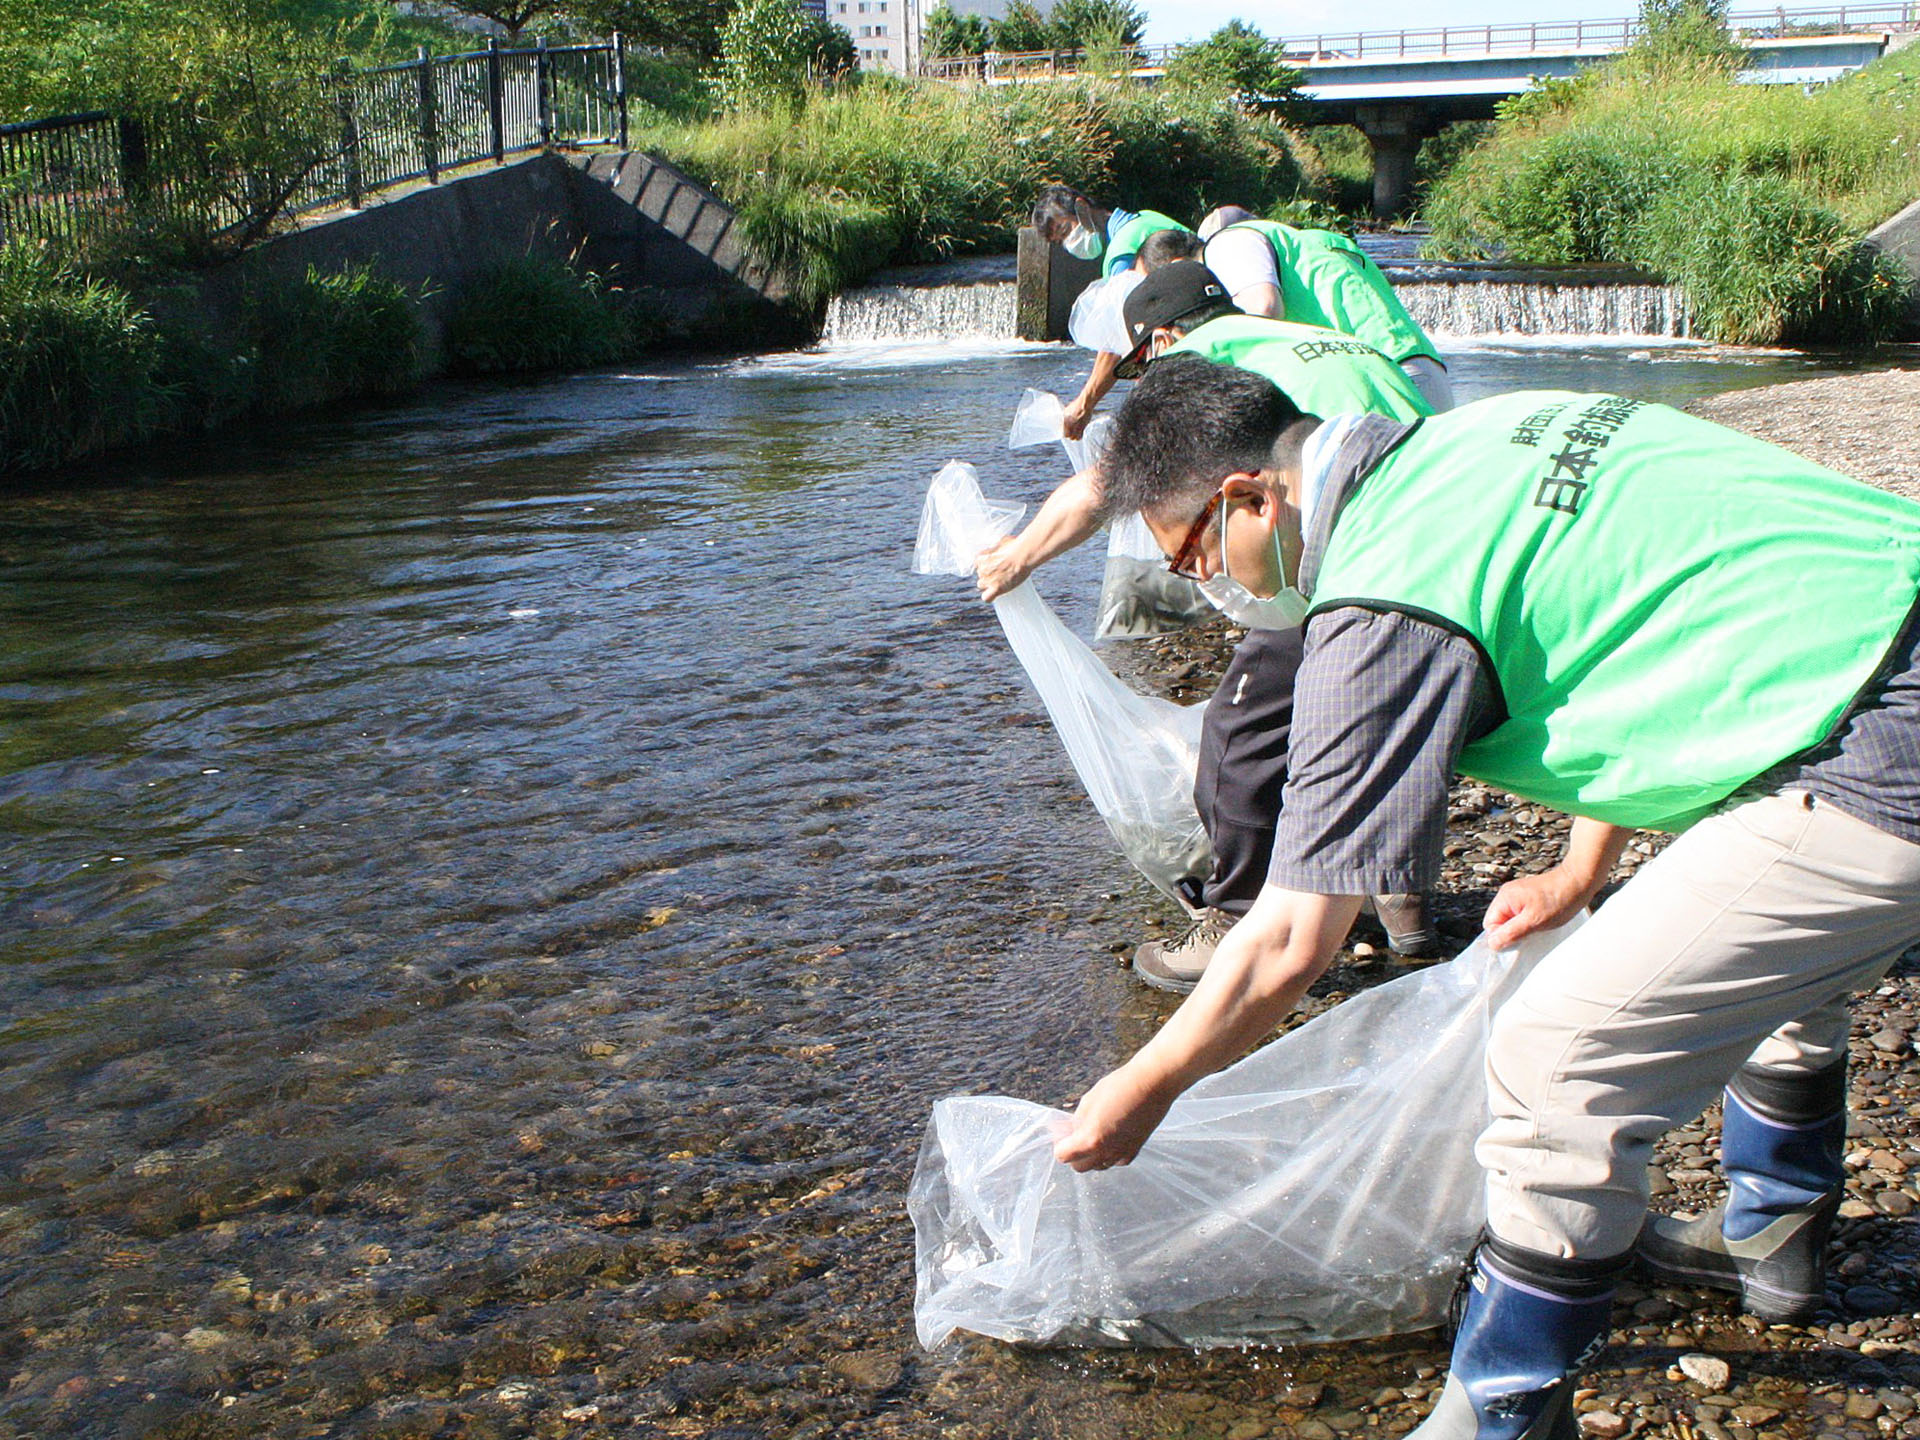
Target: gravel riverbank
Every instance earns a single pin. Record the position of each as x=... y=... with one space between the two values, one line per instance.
x=1680 y=1362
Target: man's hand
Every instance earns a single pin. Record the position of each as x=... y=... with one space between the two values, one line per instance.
x=1113 y=1121
x=1553 y=897
x=1000 y=568
x=1074 y=418
x=1532 y=903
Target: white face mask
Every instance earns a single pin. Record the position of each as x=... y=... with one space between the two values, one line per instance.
x=1284 y=611
x=1083 y=244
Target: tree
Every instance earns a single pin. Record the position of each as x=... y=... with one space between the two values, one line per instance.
x=1238 y=59
x=766 y=47
x=689 y=25
x=1023 y=28
x=1081 y=22
x=830 y=47
x=512 y=16
x=948 y=34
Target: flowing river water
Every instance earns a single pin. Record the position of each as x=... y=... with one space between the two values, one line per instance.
x=492 y=888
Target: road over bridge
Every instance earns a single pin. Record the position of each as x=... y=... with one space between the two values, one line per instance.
x=1401 y=86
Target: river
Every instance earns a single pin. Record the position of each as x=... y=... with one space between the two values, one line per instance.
x=492 y=888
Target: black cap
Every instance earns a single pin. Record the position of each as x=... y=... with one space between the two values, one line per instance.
x=1169 y=294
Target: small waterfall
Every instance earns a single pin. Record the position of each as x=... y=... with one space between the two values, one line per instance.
x=1514 y=307
x=981 y=310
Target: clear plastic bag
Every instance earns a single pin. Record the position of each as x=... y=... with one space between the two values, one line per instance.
x=1097 y=320
x=1139 y=596
x=1324 y=1188
x=1135 y=754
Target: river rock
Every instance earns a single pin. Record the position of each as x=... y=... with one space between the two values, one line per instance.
x=1602 y=1425
x=1707 y=1370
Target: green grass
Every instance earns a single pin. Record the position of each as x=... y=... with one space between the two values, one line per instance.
x=1752 y=197
x=890 y=172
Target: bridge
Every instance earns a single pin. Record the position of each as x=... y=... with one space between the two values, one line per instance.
x=1399 y=87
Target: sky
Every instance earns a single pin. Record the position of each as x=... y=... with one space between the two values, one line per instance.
x=1170 y=21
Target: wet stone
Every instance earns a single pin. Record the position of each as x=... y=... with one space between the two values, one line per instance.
x=867 y=1369
x=1707 y=1370
x=1603 y=1425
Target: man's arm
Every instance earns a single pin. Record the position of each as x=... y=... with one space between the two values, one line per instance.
x=1261 y=300
x=1262 y=968
x=1553 y=897
x=1068 y=517
x=1073 y=421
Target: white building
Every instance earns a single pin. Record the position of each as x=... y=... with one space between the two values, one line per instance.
x=886 y=33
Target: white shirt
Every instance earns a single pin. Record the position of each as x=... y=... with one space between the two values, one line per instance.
x=1241 y=259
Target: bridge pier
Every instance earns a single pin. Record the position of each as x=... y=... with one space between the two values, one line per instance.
x=1395 y=132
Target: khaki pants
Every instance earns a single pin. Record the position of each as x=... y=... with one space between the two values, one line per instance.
x=1740 y=942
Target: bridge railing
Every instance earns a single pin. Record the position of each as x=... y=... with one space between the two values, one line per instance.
x=74 y=181
x=1514 y=38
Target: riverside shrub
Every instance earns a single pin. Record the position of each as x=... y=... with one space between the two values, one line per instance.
x=894 y=172
x=1752 y=197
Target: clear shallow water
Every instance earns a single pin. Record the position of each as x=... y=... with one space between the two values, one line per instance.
x=491 y=888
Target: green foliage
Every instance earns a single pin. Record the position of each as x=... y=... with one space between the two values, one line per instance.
x=77 y=359
x=688 y=27
x=532 y=313
x=1752 y=197
x=1440 y=153
x=895 y=173
x=830 y=52
x=1687 y=31
x=333 y=336
x=672 y=89
x=1344 y=158
x=1238 y=60
x=948 y=34
x=1023 y=27
x=766 y=47
x=1092 y=23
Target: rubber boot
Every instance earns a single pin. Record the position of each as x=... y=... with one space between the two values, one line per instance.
x=1531 y=1321
x=1780 y=1146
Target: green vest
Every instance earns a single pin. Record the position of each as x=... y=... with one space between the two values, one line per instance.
x=1323 y=372
x=1669 y=607
x=1326 y=279
x=1126 y=243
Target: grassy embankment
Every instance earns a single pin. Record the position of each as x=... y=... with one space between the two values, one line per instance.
x=1753 y=198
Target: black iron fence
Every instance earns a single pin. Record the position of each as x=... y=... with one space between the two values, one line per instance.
x=76 y=181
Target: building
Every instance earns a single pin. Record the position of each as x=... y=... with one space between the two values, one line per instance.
x=886 y=33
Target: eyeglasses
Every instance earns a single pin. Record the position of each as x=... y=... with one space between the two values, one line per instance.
x=1182 y=562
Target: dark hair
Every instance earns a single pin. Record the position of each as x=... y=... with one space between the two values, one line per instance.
x=1189 y=424
x=1194 y=319
x=1163 y=247
x=1056 y=202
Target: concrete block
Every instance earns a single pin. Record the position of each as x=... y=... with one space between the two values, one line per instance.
x=1900 y=238
x=1048 y=281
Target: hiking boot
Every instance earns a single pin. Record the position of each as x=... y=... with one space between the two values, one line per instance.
x=1404 y=918
x=1177 y=965
x=1780 y=1145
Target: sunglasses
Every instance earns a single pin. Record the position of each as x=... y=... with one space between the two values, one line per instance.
x=1182 y=562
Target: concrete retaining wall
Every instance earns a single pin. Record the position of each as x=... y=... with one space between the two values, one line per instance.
x=626 y=215
x=1900 y=238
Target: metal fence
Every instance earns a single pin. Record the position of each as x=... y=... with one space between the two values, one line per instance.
x=77 y=180
x=1601 y=36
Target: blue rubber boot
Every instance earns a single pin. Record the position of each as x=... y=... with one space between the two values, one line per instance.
x=1531 y=1321
x=1780 y=1144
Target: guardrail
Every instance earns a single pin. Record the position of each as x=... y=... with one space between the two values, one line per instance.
x=75 y=180
x=1448 y=41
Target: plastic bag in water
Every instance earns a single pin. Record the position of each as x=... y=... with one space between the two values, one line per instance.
x=1138 y=597
x=1097 y=320
x=1324 y=1188
x=1135 y=754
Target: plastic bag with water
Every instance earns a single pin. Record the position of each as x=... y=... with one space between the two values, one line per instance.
x=1324 y=1188
x=1138 y=596
x=1098 y=319
x=1134 y=753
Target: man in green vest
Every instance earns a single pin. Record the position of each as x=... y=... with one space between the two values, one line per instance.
x=1320 y=277
x=1065 y=217
x=1181 y=309
x=1637 y=617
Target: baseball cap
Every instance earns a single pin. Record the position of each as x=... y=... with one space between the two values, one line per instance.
x=1169 y=294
